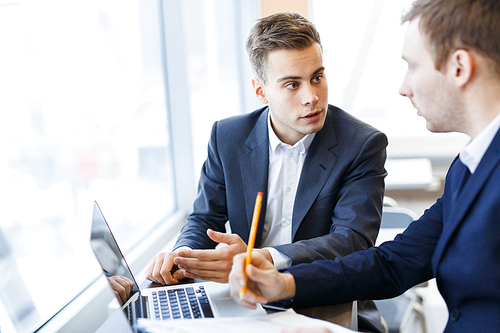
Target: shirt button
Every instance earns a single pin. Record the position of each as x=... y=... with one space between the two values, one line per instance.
x=286 y=223
x=291 y=154
x=454 y=314
x=289 y=189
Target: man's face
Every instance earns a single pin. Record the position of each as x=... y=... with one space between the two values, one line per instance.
x=431 y=91
x=296 y=91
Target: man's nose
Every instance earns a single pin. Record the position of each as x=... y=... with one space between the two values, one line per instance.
x=310 y=96
x=404 y=89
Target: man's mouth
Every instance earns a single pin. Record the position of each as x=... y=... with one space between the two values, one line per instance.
x=312 y=116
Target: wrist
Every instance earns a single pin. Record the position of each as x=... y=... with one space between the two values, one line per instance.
x=267 y=255
x=289 y=281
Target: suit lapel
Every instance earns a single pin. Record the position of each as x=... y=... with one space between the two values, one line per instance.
x=254 y=166
x=317 y=168
x=461 y=204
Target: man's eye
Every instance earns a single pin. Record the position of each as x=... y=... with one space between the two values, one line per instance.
x=292 y=85
x=317 y=78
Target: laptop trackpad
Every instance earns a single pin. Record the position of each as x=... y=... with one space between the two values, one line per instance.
x=228 y=308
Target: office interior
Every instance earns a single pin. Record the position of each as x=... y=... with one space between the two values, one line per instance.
x=113 y=101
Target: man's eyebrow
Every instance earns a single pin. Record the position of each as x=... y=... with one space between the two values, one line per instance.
x=291 y=77
x=318 y=71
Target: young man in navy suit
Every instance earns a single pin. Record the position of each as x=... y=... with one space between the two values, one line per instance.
x=453 y=79
x=320 y=169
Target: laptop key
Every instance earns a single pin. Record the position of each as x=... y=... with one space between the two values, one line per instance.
x=207 y=310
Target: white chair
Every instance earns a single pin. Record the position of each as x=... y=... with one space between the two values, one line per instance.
x=403 y=313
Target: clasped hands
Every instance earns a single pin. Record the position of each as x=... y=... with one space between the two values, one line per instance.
x=211 y=265
x=226 y=264
x=265 y=283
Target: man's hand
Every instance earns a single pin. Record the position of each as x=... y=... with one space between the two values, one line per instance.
x=122 y=287
x=160 y=269
x=265 y=284
x=211 y=265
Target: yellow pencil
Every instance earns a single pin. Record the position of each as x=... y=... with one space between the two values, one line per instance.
x=251 y=239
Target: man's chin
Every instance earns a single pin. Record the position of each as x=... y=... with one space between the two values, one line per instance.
x=436 y=129
x=315 y=129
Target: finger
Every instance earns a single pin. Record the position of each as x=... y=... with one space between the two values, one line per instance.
x=179 y=275
x=237 y=270
x=124 y=282
x=220 y=237
x=234 y=288
x=251 y=297
x=117 y=295
x=208 y=276
x=149 y=270
x=212 y=277
x=118 y=289
x=156 y=274
x=202 y=272
x=166 y=271
x=235 y=295
x=257 y=275
x=205 y=273
x=200 y=254
x=260 y=261
x=214 y=265
x=155 y=269
x=247 y=304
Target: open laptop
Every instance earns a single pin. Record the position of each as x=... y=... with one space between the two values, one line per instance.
x=182 y=301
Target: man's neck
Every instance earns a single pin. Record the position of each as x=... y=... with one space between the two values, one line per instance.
x=483 y=106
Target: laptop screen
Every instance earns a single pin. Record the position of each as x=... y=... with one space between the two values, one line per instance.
x=110 y=257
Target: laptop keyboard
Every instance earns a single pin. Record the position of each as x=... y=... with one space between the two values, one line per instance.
x=181 y=303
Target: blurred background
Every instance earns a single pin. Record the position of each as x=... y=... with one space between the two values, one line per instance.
x=114 y=101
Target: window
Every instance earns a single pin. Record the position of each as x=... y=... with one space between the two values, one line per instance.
x=362 y=42
x=217 y=65
x=83 y=118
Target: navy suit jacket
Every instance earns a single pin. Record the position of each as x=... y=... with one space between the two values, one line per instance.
x=339 y=196
x=457 y=241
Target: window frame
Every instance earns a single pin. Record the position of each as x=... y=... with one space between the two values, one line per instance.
x=89 y=309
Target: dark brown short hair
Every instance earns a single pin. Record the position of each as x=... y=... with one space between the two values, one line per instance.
x=279 y=31
x=459 y=24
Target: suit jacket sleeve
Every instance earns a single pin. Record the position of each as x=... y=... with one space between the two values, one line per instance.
x=377 y=273
x=352 y=213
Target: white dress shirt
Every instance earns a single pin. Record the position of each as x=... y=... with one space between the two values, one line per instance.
x=285 y=167
x=472 y=154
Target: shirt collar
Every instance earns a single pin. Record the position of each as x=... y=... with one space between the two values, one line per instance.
x=472 y=154
x=274 y=142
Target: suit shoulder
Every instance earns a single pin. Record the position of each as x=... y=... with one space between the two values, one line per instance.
x=238 y=127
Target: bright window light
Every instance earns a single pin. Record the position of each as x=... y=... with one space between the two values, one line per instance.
x=83 y=118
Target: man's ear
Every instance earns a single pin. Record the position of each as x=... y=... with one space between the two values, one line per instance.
x=461 y=65
x=258 y=88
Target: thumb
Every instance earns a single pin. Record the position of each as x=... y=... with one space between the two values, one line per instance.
x=179 y=275
x=220 y=237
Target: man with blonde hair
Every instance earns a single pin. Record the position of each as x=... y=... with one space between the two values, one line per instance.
x=452 y=48
x=321 y=170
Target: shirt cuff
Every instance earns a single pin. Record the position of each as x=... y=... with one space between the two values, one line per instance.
x=280 y=260
x=181 y=248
